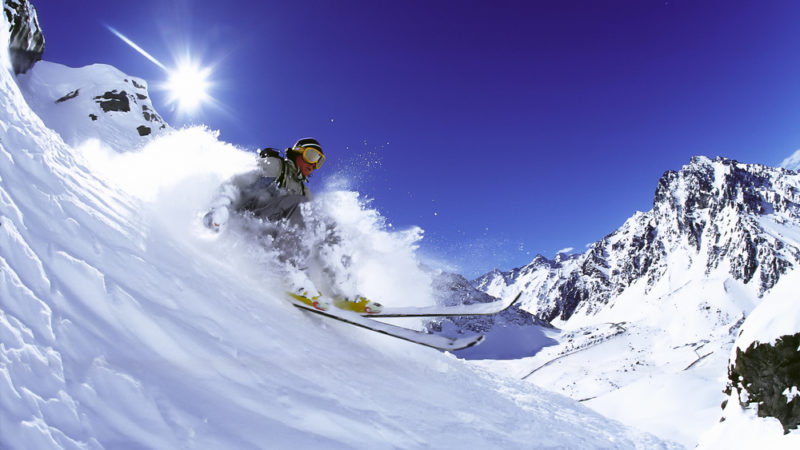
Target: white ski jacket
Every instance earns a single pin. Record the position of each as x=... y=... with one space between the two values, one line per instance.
x=265 y=191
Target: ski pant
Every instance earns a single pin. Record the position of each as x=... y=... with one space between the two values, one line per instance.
x=297 y=250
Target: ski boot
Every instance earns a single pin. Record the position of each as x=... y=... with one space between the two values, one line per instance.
x=315 y=301
x=359 y=304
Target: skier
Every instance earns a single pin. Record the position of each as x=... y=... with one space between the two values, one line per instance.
x=274 y=192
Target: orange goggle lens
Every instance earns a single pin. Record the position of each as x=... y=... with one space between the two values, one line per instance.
x=312 y=156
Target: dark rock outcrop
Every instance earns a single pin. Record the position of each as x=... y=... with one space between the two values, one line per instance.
x=768 y=376
x=114 y=101
x=26 y=41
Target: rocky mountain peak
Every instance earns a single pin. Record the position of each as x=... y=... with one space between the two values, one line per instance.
x=725 y=183
x=710 y=215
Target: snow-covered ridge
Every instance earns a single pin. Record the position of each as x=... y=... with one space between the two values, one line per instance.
x=93 y=102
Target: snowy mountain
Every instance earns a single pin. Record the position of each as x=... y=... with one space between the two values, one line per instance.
x=652 y=310
x=125 y=324
x=711 y=215
x=92 y=102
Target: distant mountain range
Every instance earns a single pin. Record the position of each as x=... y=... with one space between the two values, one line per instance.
x=667 y=294
x=711 y=214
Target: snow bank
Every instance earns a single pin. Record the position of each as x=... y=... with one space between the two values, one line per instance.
x=777 y=315
x=743 y=428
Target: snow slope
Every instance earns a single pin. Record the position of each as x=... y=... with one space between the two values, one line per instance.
x=776 y=316
x=124 y=324
x=661 y=372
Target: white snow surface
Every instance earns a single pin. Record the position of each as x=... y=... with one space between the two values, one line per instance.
x=777 y=315
x=652 y=361
x=743 y=428
x=125 y=324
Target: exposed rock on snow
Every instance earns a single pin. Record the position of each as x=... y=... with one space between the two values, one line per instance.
x=764 y=374
x=92 y=102
x=26 y=41
x=767 y=376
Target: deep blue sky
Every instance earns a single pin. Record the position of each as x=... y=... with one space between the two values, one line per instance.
x=502 y=128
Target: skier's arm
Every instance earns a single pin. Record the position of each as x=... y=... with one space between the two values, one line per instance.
x=271 y=167
x=228 y=198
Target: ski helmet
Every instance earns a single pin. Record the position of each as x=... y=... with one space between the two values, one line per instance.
x=308 y=142
x=299 y=146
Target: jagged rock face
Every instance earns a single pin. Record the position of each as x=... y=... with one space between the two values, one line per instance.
x=26 y=41
x=712 y=215
x=716 y=207
x=768 y=376
x=121 y=101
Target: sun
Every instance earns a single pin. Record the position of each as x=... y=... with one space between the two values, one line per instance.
x=188 y=86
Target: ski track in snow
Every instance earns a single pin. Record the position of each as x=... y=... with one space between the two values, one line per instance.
x=124 y=324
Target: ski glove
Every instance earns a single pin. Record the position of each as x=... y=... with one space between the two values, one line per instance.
x=216 y=218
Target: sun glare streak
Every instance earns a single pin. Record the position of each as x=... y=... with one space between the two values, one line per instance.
x=188 y=83
x=137 y=48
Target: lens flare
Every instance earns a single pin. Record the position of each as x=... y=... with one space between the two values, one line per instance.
x=134 y=46
x=187 y=84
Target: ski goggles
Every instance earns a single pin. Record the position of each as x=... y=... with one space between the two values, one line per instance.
x=311 y=155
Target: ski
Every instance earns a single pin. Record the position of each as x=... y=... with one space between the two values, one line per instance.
x=477 y=309
x=407 y=334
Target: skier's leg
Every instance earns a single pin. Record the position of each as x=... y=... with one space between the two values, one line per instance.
x=335 y=261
